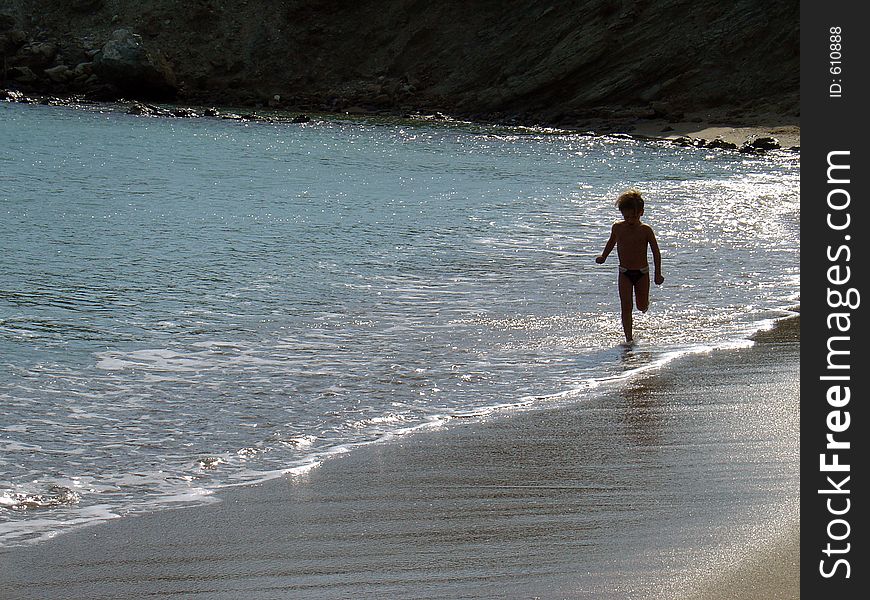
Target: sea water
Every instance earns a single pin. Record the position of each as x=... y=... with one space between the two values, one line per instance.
x=191 y=304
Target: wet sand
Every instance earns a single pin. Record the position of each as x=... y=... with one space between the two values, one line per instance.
x=681 y=484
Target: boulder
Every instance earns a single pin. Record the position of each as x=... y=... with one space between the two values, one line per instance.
x=765 y=143
x=137 y=108
x=22 y=75
x=183 y=112
x=85 y=68
x=101 y=92
x=11 y=41
x=7 y=22
x=36 y=55
x=126 y=64
x=59 y=74
x=11 y=95
x=720 y=143
x=760 y=145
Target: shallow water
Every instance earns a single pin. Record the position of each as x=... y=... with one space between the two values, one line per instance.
x=187 y=304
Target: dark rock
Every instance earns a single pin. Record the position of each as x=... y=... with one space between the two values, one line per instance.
x=59 y=74
x=125 y=63
x=88 y=7
x=765 y=143
x=11 y=42
x=186 y=113
x=301 y=119
x=11 y=95
x=722 y=144
x=7 y=22
x=150 y=110
x=102 y=92
x=36 y=55
x=85 y=68
x=86 y=81
x=21 y=75
x=760 y=145
x=138 y=108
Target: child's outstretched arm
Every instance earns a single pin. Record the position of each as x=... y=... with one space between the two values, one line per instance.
x=608 y=248
x=657 y=258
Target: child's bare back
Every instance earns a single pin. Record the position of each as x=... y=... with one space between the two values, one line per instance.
x=631 y=239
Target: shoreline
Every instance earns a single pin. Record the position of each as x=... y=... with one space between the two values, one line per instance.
x=696 y=129
x=785 y=326
x=788 y=134
x=475 y=509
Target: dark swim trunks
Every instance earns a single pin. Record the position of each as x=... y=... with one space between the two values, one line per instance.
x=634 y=275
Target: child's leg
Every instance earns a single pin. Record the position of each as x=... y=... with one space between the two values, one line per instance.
x=641 y=292
x=625 y=301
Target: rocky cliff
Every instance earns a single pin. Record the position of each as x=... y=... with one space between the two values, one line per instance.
x=550 y=62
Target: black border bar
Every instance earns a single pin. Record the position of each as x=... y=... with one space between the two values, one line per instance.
x=835 y=269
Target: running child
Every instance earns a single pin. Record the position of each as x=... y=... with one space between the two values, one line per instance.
x=631 y=238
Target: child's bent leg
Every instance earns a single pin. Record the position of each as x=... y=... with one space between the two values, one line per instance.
x=625 y=302
x=641 y=292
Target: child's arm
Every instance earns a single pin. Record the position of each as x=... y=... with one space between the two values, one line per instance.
x=657 y=257
x=608 y=248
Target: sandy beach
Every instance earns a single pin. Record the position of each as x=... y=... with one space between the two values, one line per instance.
x=785 y=130
x=684 y=484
